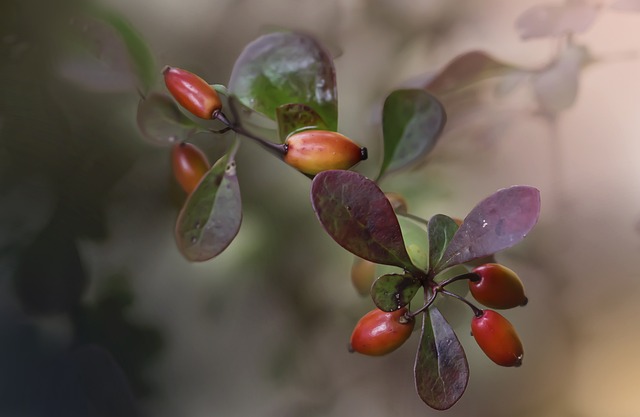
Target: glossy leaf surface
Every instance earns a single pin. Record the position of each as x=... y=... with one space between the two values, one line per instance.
x=161 y=122
x=211 y=216
x=286 y=67
x=441 y=229
x=358 y=216
x=441 y=370
x=496 y=223
x=412 y=121
x=546 y=20
x=391 y=292
x=292 y=117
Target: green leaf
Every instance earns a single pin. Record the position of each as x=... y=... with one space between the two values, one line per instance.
x=416 y=241
x=139 y=53
x=293 y=117
x=391 y=292
x=161 y=122
x=211 y=216
x=441 y=229
x=283 y=68
x=358 y=216
x=441 y=370
x=412 y=121
x=251 y=120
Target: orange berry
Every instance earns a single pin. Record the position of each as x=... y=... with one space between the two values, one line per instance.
x=190 y=164
x=314 y=151
x=192 y=92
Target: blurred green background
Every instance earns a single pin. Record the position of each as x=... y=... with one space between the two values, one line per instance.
x=101 y=316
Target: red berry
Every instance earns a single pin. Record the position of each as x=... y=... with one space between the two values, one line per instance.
x=314 y=151
x=192 y=92
x=498 y=287
x=497 y=338
x=189 y=165
x=378 y=332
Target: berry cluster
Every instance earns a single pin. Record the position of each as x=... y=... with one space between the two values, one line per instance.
x=493 y=285
x=308 y=150
x=269 y=97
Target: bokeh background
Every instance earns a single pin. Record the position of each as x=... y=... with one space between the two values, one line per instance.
x=101 y=316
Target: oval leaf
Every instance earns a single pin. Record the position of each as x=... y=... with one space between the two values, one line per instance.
x=161 y=122
x=464 y=70
x=416 y=241
x=441 y=370
x=412 y=121
x=139 y=53
x=292 y=117
x=283 y=68
x=358 y=216
x=441 y=229
x=496 y=223
x=211 y=216
x=574 y=16
x=391 y=292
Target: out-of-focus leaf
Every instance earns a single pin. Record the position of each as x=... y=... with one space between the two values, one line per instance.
x=97 y=60
x=283 y=68
x=139 y=53
x=466 y=69
x=548 y=20
x=292 y=117
x=211 y=216
x=441 y=370
x=412 y=121
x=416 y=241
x=556 y=87
x=358 y=216
x=626 y=5
x=161 y=122
x=362 y=275
x=391 y=292
x=441 y=229
x=496 y=223
x=460 y=287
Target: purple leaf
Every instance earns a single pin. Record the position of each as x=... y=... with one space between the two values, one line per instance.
x=358 y=216
x=496 y=223
x=441 y=370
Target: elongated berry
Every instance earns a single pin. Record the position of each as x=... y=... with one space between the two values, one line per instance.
x=498 y=287
x=189 y=164
x=497 y=338
x=314 y=151
x=192 y=92
x=378 y=332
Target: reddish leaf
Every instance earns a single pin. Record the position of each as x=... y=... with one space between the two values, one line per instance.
x=358 y=216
